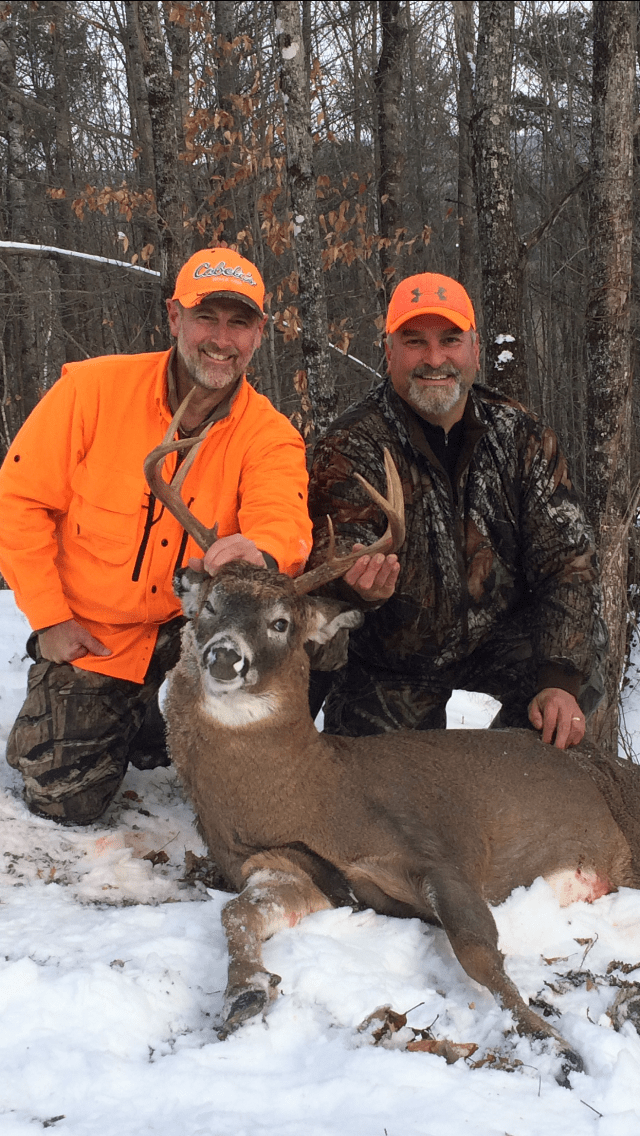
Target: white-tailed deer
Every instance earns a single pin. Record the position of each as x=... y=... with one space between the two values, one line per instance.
x=436 y=825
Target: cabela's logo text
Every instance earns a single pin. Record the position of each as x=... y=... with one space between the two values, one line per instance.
x=221 y=269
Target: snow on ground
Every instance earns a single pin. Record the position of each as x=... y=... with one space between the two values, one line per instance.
x=112 y=970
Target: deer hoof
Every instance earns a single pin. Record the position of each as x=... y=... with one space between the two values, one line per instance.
x=248 y=1003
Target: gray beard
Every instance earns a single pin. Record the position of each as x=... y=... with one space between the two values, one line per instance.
x=201 y=377
x=434 y=401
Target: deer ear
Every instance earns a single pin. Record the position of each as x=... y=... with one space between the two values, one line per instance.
x=327 y=638
x=187 y=585
x=326 y=617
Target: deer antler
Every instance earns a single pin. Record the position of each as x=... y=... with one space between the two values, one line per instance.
x=393 y=508
x=169 y=494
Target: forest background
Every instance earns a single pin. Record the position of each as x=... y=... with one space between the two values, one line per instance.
x=341 y=145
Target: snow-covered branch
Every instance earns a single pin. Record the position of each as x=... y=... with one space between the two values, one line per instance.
x=21 y=249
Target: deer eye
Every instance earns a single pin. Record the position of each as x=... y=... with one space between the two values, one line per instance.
x=280 y=624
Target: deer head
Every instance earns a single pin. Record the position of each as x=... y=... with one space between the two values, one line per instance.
x=246 y=625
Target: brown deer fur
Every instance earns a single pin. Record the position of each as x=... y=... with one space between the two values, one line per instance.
x=435 y=825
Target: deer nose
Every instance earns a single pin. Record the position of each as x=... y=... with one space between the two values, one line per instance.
x=225 y=664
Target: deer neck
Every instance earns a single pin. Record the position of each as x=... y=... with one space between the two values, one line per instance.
x=273 y=714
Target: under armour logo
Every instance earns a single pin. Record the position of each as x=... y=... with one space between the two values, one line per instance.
x=441 y=293
x=416 y=294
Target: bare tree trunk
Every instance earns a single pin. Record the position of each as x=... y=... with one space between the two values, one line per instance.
x=415 y=149
x=63 y=174
x=499 y=246
x=141 y=135
x=226 y=87
x=142 y=139
x=608 y=327
x=294 y=83
x=174 y=243
x=388 y=86
x=19 y=389
x=72 y=289
x=227 y=79
x=468 y=250
x=354 y=5
x=178 y=37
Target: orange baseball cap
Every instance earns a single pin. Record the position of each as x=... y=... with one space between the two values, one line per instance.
x=222 y=272
x=430 y=294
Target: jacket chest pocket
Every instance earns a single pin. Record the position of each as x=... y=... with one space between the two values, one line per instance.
x=105 y=514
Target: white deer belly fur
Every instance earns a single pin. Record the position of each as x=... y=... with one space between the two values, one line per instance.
x=238 y=708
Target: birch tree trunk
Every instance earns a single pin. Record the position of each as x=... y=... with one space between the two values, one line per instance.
x=294 y=84
x=499 y=246
x=608 y=328
x=391 y=148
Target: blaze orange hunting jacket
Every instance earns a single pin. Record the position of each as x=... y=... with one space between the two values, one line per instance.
x=80 y=535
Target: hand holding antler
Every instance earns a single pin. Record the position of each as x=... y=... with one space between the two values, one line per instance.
x=393 y=508
x=225 y=549
x=374 y=578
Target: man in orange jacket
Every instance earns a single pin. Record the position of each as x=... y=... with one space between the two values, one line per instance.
x=90 y=553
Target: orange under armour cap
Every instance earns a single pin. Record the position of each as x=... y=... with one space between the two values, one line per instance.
x=430 y=294
x=222 y=272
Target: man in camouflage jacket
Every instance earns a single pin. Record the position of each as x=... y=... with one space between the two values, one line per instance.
x=496 y=587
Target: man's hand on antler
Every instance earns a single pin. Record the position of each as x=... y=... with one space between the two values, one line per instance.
x=235 y=547
x=65 y=642
x=373 y=577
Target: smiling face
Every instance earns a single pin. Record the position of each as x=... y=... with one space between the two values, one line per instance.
x=433 y=365
x=215 y=342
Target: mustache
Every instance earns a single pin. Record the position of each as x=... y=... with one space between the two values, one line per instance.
x=426 y=372
x=233 y=352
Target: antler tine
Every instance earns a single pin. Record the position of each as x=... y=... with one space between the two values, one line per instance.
x=169 y=494
x=392 y=506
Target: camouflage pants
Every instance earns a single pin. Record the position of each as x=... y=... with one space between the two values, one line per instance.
x=77 y=731
x=362 y=701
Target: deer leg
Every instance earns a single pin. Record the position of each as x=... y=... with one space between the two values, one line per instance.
x=272 y=900
x=473 y=935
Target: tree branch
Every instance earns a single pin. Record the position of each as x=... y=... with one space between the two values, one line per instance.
x=529 y=242
x=15 y=248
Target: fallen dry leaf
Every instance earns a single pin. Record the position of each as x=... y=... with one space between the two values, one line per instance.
x=497 y=1061
x=390 y=1023
x=452 y=1051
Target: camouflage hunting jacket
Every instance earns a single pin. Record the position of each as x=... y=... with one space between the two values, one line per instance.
x=505 y=540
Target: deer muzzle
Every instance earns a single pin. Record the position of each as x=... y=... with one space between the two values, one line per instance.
x=226 y=662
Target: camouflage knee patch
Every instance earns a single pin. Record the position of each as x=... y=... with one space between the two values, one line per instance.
x=71 y=738
x=77 y=731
